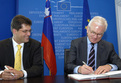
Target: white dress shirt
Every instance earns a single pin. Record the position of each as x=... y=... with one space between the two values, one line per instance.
x=15 y=50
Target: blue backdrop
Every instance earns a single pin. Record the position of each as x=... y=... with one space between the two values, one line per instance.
x=7 y=12
x=67 y=21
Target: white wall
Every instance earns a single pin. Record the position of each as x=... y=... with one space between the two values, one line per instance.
x=118 y=21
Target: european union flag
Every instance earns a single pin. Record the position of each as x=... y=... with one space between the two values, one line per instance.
x=64 y=6
x=86 y=17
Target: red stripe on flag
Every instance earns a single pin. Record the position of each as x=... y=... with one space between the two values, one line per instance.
x=48 y=16
x=49 y=55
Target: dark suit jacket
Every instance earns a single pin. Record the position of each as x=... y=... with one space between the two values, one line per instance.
x=32 y=59
x=78 y=53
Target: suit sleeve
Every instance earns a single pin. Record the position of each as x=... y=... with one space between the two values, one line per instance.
x=114 y=58
x=35 y=64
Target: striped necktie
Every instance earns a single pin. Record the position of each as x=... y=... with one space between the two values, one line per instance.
x=91 y=61
x=17 y=64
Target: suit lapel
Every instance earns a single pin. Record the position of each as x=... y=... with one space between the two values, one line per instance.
x=100 y=49
x=26 y=52
x=83 y=49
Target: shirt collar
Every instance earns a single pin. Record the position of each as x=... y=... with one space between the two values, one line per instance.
x=15 y=43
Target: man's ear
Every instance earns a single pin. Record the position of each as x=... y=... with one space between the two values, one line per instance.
x=14 y=31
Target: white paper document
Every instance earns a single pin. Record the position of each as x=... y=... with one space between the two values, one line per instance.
x=108 y=75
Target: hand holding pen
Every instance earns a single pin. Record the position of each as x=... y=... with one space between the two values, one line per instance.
x=85 y=69
x=11 y=74
x=8 y=69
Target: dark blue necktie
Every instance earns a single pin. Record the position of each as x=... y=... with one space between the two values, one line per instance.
x=91 y=61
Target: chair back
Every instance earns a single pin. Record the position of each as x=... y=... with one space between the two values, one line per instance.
x=66 y=54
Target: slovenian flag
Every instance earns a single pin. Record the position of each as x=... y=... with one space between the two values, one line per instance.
x=48 y=40
x=86 y=17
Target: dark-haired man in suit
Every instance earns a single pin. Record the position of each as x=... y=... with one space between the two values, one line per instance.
x=30 y=59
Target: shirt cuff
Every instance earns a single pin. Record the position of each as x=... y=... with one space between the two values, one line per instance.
x=76 y=70
x=114 y=67
x=25 y=73
x=1 y=72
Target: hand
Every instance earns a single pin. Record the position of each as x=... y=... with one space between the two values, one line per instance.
x=103 y=69
x=6 y=75
x=85 y=69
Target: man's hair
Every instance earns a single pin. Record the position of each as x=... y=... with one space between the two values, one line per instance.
x=99 y=21
x=18 y=20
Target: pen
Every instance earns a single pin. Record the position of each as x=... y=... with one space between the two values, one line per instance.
x=8 y=69
x=84 y=63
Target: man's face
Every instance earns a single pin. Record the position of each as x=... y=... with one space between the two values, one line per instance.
x=95 y=32
x=22 y=35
